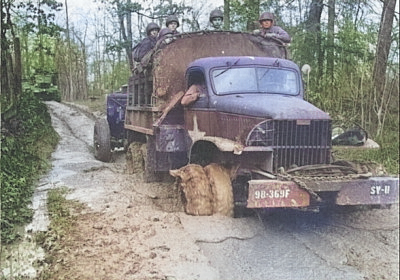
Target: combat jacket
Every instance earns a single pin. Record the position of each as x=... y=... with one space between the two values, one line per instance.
x=280 y=33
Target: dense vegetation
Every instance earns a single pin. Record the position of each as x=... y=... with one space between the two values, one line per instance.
x=351 y=46
x=27 y=141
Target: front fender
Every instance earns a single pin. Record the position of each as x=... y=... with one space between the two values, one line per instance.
x=224 y=145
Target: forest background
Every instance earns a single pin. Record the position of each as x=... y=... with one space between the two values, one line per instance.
x=351 y=46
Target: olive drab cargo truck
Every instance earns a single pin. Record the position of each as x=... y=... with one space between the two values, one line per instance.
x=251 y=114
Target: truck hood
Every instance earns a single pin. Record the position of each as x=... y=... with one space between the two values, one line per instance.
x=268 y=106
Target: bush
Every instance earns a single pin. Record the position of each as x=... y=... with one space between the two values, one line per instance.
x=27 y=140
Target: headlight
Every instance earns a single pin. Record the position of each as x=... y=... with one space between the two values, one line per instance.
x=261 y=135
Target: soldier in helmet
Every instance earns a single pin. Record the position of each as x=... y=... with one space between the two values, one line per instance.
x=269 y=30
x=172 y=24
x=216 y=19
x=147 y=43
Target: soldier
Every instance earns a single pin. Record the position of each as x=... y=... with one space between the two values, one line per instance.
x=165 y=32
x=147 y=43
x=216 y=19
x=269 y=30
x=172 y=24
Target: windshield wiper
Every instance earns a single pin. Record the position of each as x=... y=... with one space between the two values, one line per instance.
x=226 y=69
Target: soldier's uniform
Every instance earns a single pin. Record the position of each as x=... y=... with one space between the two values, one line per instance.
x=274 y=31
x=147 y=43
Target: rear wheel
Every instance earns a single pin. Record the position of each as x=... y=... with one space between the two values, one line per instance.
x=101 y=137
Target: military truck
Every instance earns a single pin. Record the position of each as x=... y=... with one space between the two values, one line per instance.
x=109 y=133
x=251 y=114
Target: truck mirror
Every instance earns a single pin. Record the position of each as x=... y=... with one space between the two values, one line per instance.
x=306 y=69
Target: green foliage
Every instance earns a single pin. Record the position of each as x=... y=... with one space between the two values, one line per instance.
x=241 y=14
x=39 y=35
x=22 y=161
x=113 y=80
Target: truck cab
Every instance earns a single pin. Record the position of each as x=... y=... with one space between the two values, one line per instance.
x=254 y=107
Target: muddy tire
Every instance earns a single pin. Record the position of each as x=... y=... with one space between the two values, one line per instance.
x=221 y=189
x=149 y=154
x=134 y=158
x=101 y=140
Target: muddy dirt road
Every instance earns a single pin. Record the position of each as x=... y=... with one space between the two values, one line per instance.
x=136 y=230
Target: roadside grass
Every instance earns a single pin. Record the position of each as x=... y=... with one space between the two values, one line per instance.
x=56 y=239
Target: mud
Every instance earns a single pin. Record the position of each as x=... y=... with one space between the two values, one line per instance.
x=129 y=229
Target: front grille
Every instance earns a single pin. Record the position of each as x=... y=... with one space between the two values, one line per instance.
x=295 y=142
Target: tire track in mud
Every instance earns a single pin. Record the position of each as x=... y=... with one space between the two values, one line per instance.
x=76 y=122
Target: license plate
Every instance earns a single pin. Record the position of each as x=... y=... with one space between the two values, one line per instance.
x=273 y=193
x=380 y=190
x=375 y=190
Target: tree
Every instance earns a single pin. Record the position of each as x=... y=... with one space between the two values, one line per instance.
x=314 y=36
x=330 y=59
x=227 y=14
x=253 y=14
x=11 y=67
x=380 y=92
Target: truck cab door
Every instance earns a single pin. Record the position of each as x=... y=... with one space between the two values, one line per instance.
x=196 y=114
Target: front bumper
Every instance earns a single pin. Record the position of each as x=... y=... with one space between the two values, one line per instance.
x=371 y=191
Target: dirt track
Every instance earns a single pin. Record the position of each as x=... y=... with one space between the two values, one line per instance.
x=134 y=230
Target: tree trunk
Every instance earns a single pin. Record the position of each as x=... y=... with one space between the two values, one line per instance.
x=383 y=45
x=313 y=37
x=129 y=35
x=330 y=59
x=254 y=11
x=227 y=14
x=380 y=64
x=17 y=68
x=5 y=88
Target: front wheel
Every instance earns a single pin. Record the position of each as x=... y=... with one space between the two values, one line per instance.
x=101 y=137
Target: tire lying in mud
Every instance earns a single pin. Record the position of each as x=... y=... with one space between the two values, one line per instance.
x=207 y=190
x=101 y=140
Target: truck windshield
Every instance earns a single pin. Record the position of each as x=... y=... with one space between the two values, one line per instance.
x=255 y=80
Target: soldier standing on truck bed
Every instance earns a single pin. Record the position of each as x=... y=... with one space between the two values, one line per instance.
x=147 y=43
x=269 y=30
x=172 y=24
x=216 y=19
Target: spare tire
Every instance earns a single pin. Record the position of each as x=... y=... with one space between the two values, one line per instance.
x=101 y=140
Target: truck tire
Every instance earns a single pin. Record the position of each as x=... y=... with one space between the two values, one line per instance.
x=101 y=143
x=149 y=154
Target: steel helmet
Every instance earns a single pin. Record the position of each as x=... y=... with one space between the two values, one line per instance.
x=172 y=18
x=151 y=26
x=266 y=16
x=216 y=14
x=164 y=32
